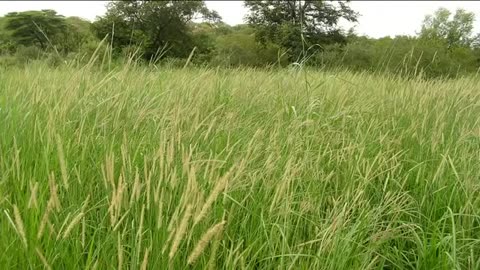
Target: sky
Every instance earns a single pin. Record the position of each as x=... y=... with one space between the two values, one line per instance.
x=378 y=18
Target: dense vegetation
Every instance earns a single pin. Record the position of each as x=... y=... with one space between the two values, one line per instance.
x=276 y=33
x=284 y=143
x=236 y=169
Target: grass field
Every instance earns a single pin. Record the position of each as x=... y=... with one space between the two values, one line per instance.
x=237 y=169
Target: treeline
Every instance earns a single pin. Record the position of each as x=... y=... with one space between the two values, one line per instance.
x=275 y=33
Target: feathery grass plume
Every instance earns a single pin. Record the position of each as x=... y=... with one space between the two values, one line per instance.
x=19 y=225
x=199 y=200
x=63 y=165
x=170 y=229
x=160 y=214
x=124 y=153
x=109 y=170
x=203 y=242
x=173 y=178
x=54 y=202
x=32 y=202
x=192 y=193
x=219 y=187
x=175 y=217
x=145 y=259
x=192 y=184
x=158 y=189
x=72 y=224
x=65 y=223
x=44 y=220
x=116 y=201
x=170 y=152
x=119 y=222
x=182 y=228
x=209 y=166
x=85 y=203
x=52 y=229
x=283 y=186
x=213 y=253
x=42 y=258
x=136 y=188
x=186 y=160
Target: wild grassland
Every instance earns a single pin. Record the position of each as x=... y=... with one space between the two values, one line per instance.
x=237 y=169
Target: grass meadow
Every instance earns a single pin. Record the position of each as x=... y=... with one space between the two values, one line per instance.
x=197 y=168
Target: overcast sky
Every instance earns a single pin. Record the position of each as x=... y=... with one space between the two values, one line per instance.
x=378 y=18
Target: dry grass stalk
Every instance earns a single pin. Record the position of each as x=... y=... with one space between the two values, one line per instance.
x=72 y=224
x=116 y=202
x=213 y=253
x=63 y=165
x=44 y=221
x=54 y=202
x=32 y=202
x=145 y=259
x=42 y=258
x=182 y=228
x=219 y=187
x=160 y=214
x=203 y=242
x=136 y=188
x=19 y=225
x=109 y=164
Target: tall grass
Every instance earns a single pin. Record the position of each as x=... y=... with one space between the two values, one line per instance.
x=135 y=168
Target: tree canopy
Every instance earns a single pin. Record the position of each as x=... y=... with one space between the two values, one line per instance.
x=153 y=25
x=294 y=24
x=455 y=31
x=41 y=28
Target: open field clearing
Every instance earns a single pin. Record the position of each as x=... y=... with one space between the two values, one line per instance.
x=237 y=169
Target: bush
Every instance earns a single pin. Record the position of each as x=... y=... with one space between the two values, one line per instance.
x=240 y=48
x=406 y=56
x=24 y=54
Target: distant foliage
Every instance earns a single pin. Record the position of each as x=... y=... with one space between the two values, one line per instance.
x=444 y=48
x=401 y=55
x=31 y=35
x=239 y=48
x=36 y=28
x=296 y=24
x=276 y=33
x=456 y=31
x=152 y=25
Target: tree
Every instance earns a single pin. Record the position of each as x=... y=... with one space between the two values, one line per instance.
x=204 y=36
x=153 y=24
x=78 y=33
x=297 y=24
x=36 y=28
x=456 y=32
x=239 y=48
